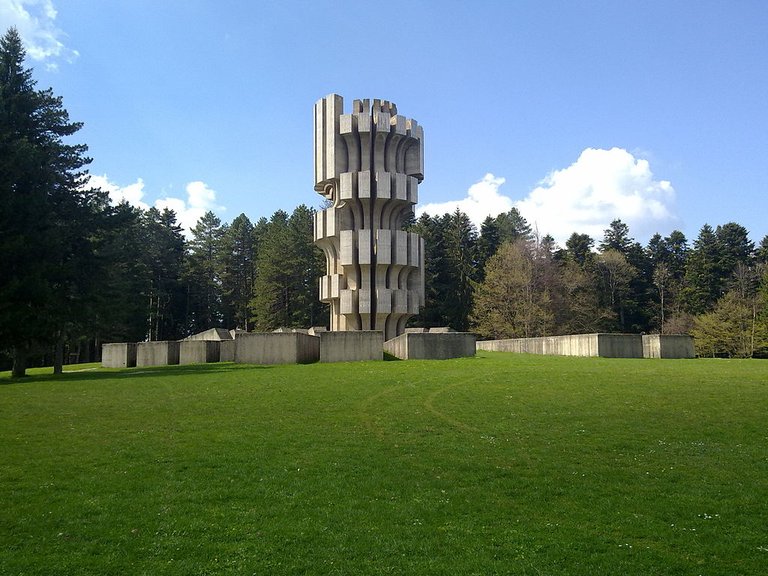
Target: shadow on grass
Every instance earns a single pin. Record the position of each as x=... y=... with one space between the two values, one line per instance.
x=139 y=372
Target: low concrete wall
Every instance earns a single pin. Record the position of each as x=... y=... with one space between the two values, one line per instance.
x=620 y=345
x=351 y=346
x=119 y=355
x=198 y=351
x=603 y=345
x=276 y=348
x=431 y=346
x=161 y=353
x=668 y=346
x=227 y=351
x=576 y=345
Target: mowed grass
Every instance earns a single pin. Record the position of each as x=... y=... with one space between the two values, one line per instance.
x=499 y=464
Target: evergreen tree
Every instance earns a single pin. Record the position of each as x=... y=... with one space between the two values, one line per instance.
x=203 y=274
x=761 y=254
x=47 y=214
x=488 y=243
x=735 y=248
x=616 y=237
x=288 y=265
x=437 y=281
x=238 y=272
x=164 y=257
x=703 y=279
x=121 y=302
x=579 y=249
x=512 y=226
x=308 y=266
x=461 y=257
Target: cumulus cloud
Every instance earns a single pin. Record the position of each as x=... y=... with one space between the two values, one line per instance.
x=601 y=186
x=483 y=200
x=36 y=22
x=133 y=193
x=200 y=199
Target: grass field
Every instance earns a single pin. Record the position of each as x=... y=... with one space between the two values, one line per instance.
x=499 y=464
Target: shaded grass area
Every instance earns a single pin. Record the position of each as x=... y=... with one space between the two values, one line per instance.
x=499 y=464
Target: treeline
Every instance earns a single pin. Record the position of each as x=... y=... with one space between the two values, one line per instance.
x=506 y=281
x=76 y=271
x=159 y=285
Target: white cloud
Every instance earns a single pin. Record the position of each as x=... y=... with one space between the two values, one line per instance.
x=133 y=193
x=599 y=187
x=483 y=200
x=36 y=22
x=200 y=199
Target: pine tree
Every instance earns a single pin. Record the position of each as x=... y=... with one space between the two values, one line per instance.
x=461 y=258
x=579 y=249
x=238 y=272
x=703 y=280
x=437 y=280
x=203 y=274
x=48 y=216
x=121 y=302
x=164 y=257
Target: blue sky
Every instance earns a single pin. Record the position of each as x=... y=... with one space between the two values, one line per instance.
x=655 y=112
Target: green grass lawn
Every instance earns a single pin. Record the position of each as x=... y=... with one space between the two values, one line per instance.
x=499 y=464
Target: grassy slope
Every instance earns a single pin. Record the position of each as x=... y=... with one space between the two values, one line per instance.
x=501 y=464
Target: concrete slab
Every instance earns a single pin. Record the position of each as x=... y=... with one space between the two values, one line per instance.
x=227 y=351
x=351 y=346
x=160 y=353
x=276 y=348
x=118 y=355
x=668 y=346
x=595 y=345
x=431 y=345
x=199 y=351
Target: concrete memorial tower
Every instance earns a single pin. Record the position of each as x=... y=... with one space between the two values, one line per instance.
x=368 y=165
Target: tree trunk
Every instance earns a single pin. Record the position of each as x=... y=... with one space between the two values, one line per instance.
x=58 y=356
x=19 y=362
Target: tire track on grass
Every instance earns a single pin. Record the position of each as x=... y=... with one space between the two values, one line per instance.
x=429 y=404
x=364 y=410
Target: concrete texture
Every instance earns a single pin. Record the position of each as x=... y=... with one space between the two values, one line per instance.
x=276 y=348
x=215 y=334
x=121 y=355
x=199 y=351
x=602 y=345
x=668 y=346
x=368 y=164
x=161 y=353
x=431 y=345
x=351 y=346
x=227 y=351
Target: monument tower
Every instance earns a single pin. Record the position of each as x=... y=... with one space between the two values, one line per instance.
x=368 y=165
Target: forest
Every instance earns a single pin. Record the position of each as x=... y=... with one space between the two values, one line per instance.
x=78 y=271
